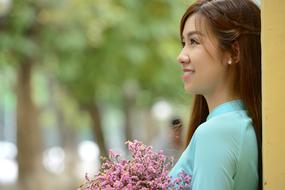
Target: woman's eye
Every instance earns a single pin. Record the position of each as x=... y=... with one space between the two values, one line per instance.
x=193 y=41
x=183 y=44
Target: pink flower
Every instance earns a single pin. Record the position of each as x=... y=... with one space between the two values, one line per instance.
x=146 y=170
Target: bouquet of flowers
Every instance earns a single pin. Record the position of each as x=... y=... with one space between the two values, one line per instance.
x=146 y=170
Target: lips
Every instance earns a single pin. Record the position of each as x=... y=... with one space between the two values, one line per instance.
x=188 y=70
x=187 y=74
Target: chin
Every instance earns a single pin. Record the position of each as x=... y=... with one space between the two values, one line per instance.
x=188 y=89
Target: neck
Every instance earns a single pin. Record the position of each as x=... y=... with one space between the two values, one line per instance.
x=219 y=98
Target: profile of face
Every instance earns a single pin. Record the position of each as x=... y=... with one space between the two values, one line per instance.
x=204 y=64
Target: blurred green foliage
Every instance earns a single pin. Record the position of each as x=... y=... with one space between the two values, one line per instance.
x=80 y=54
x=99 y=50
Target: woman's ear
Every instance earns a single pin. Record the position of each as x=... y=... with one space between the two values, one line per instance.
x=235 y=52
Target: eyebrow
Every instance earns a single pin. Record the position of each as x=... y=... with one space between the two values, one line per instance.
x=191 y=33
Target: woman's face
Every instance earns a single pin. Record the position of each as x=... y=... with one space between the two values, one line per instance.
x=204 y=65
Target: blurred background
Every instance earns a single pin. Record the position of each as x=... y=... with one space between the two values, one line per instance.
x=80 y=77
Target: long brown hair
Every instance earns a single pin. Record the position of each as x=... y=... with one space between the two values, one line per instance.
x=233 y=21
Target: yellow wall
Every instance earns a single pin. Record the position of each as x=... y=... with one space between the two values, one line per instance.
x=273 y=60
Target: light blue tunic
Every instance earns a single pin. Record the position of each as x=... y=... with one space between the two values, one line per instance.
x=222 y=154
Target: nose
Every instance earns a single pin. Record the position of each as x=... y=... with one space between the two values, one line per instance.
x=183 y=58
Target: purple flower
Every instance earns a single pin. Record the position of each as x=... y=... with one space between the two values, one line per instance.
x=146 y=170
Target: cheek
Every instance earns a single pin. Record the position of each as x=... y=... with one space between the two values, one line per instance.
x=208 y=73
x=201 y=58
x=197 y=54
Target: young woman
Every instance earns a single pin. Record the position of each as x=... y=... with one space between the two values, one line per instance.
x=221 y=63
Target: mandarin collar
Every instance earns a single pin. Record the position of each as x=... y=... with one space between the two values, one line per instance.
x=234 y=105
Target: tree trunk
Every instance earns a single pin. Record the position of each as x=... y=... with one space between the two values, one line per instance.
x=97 y=129
x=128 y=118
x=130 y=91
x=28 y=132
x=67 y=136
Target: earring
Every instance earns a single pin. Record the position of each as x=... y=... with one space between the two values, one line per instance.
x=230 y=62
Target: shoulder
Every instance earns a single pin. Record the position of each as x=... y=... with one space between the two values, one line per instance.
x=232 y=124
x=226 y=134
x=222 y=147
